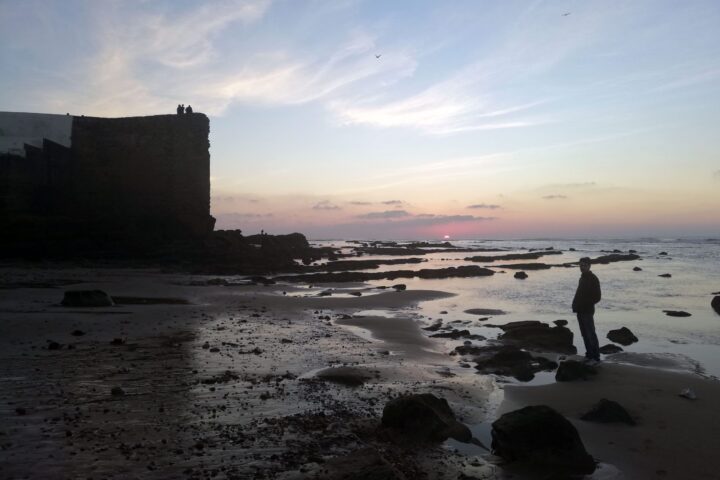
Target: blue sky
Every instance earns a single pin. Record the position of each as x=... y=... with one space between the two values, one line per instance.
x=479 y=118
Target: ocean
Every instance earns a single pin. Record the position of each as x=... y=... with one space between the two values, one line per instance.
x=633 y=299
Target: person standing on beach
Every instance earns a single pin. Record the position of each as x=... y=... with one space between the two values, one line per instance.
x=586 y=296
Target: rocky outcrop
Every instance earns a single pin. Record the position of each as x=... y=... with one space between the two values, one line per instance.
x=623 y=336
x=715 y=304
x=510 y=361
x=538 y=435
x=484 y=311
x=423 y=418
x=462 y=271
x=348 y=376
x=610 y=348
x=607 y=411
x=676 y=313
x=572 y=370
x=512 y=256
x=533 y=334
x=86 y=298
x=520 y=275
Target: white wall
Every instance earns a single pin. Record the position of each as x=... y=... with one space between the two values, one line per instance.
x=16 y=129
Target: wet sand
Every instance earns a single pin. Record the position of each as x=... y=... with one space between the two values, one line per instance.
x=225 y=387
x=228 y=387
x=674 y=437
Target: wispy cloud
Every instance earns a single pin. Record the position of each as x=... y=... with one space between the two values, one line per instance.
x=554 y=197
x=392 y=202
x=360 y=203
x=326 y=205
x=487 y=206
x=385 y=214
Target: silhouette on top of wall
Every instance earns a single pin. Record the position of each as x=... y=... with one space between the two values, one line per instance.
x=188 y=109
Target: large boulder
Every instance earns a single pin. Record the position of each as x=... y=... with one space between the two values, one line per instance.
x=423 y=418
x=571 y=370
x=87 y=298
x=539 y=435
x=510 y=361
x=715 y=304
x=607 y=411
x=623 y=336
x=537 y=335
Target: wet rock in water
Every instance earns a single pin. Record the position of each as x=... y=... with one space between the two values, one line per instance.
x=637 y=269
x=610 y=348
x=715 y=304
x=607 y=411
x=623 y=336
x=537 y=335
x=665 y=275
x=356 y=294
x=348 y=376
x=614 y=257
x=434 y=327
x=117 y=341
x=53 y=345
x=560 y=323
x=521 y=275
x=86 y=298
x=423 y=418
x=676 y=313
x=400 y=287
x=260 y=280
x=510 y=361
x=663 y=253
x=485 y=311
x=538 y=435
x=77 y=333
x=20 y=411
x=458 y=334
x=117 y=392
x=571 y=370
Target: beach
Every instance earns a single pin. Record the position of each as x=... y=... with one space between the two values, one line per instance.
x=276 y=381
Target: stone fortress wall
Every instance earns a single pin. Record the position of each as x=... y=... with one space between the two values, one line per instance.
x=115 y=181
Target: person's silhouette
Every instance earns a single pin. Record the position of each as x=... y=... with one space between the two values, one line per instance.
x=179 y=109
x=188 y=109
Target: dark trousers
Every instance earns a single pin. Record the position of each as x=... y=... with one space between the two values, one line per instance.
x=587 y=329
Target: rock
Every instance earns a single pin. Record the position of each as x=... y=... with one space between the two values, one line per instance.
x=86 y=298
x=665 y=275
x=117 y=341
x=610 y=348
x=715 y=304
x=458 y=334
x=538 y=335
x=521 y=275
x=20 y=411
x=424 y=418
x=538 y=435
x=571 y=370
x=623 y=336
x=688 y=393
x=117 y=392
x=614 y=257
x=348 y=376
x=434 y=327
x=637 y=269
x=77 y=333
x=607 y=411
x=400 y=287
x=662 y=253
x=676 y=313
x=53 y=345
x=485 y=311
x=510 y=361
x=560 y=323
x=356 y=294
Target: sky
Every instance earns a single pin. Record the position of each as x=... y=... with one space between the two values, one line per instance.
x=406 y=119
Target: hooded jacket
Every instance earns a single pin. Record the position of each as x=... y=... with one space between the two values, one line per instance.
x=587 y=293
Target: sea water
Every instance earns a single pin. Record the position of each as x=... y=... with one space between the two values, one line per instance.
x=634 y=299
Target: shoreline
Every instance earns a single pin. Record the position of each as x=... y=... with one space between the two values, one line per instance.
x=224 y=380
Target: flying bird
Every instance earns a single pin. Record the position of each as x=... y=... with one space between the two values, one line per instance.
x=378 y=56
